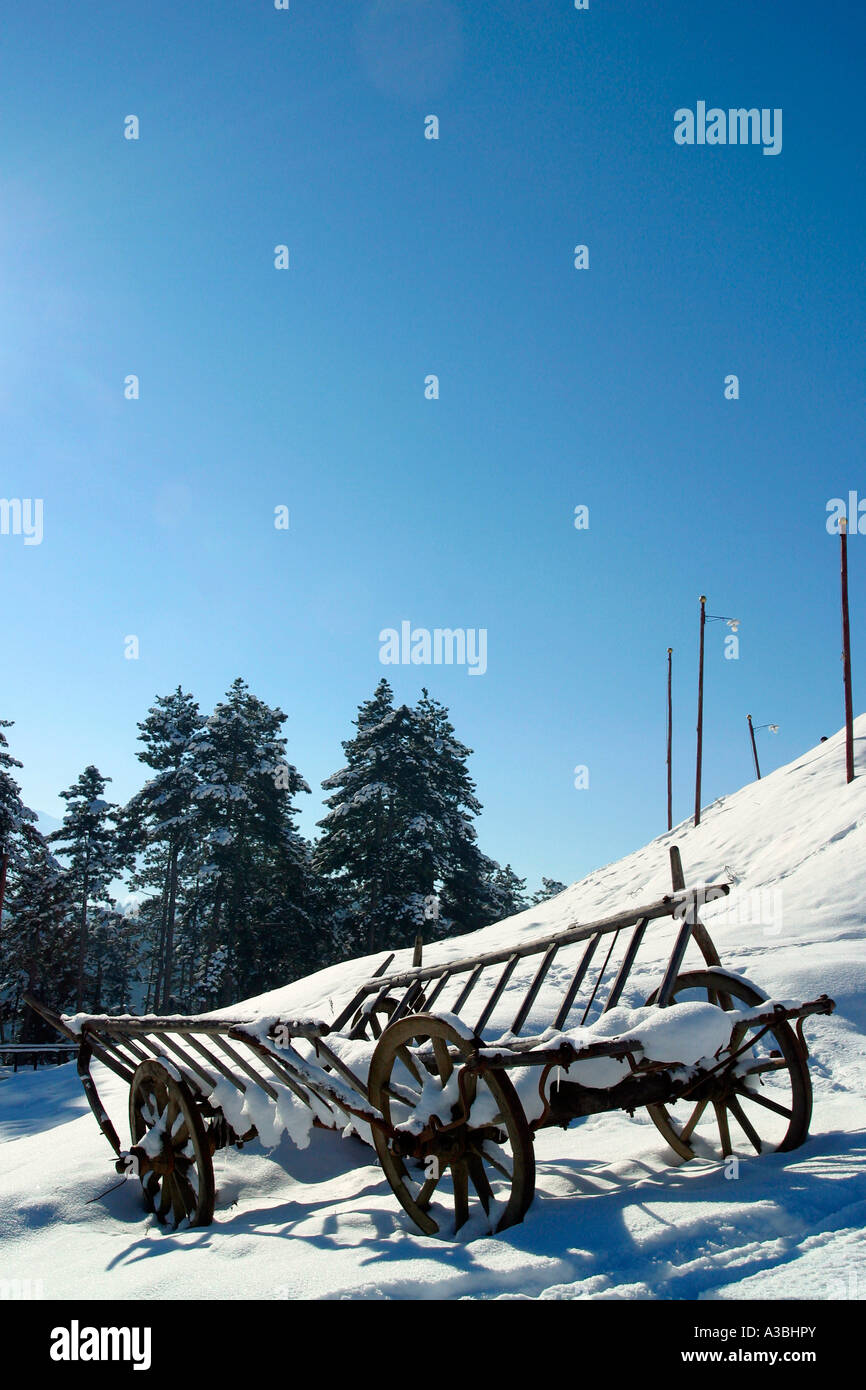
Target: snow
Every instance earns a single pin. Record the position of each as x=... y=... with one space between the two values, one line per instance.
x=616 y=1214
x=683 y=1033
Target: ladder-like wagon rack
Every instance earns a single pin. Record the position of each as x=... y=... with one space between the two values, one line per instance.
x=418 y=1062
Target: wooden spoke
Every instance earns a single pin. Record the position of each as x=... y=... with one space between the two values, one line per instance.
x=425 y=1195
x=178 y=1205
x=696 y=1114
x=745 y=1124
x=785 y=1100
x=497 y=1164
x=724 y=1128
x=164 y=1198
x=460 y=1174
x=761 y=1068
x=409 y=1063
x=186 y=1188
x=437 y=1048
x=162 y=1106
x=443 y=1061
x=765 y=1102
x=470 y=1091
x=404 y=1095
x=480 y=1180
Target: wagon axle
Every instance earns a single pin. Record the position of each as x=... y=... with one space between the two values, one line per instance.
x=445 y=1142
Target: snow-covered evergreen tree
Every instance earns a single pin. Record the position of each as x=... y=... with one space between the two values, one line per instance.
x=362 y=846
x=113 y=956
x=17 y=822
x=398 y=829
x=164 y=813
x=253 y=861
x=87 y=840
x=30 y=954
x=463 y=873
x=510 y=892
x=39 y=941
x=550 y=888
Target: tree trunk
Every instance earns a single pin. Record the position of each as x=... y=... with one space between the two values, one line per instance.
x=4 y=864
x=82 y=939
x=160 y=950
x=169 y=927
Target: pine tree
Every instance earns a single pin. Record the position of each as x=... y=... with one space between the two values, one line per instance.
x=354 y=849
x=550 y=888
x=114 y=953
x=363 y=846
x=163 y=812
x=463 y=873
x=398 y=830
x=253 y=862
x=17 y=822
x=21 y=845
x=39 y=940
x=87 y=839
x=510 y=892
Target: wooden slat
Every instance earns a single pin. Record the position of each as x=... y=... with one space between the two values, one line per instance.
x=598 y=981
x=156 y=1024
x=540 y=973
x=246 y=1066
x=666 y=988
x=108 y=1061
x=358 y=997
x=133 y=1047
x=440 y=985
x=110 y=1045
x=625 y=969
x=341 y=1068
x=496 y=995
x=664 y=907
x=188 y=1061
x=217 y=1062
x=467 y=989
x=580 y=972
x=555 y=1056
x=327 y=1088
x=275 y=1065
x=406 y=1002
x=360 y=1028
x=699 y=933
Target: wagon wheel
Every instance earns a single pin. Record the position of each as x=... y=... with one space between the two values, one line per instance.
x=764 y=1105
x=171 y=1148
x=373 y=1022
x=477 y=1144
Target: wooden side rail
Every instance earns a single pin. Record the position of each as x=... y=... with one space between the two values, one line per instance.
x=668 y=906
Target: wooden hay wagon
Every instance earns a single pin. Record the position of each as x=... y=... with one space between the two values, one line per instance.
x=451 y=1095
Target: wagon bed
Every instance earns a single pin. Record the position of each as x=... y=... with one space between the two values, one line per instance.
x=437 y=1070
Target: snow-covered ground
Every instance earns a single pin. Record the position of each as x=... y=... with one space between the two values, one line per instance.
x=616 y=1214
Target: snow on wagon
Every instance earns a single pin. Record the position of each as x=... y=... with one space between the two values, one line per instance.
x=435 y=1068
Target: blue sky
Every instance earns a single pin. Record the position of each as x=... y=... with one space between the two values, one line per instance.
x=558 y=387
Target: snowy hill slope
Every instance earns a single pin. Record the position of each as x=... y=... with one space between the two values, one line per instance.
x=616 y=1214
